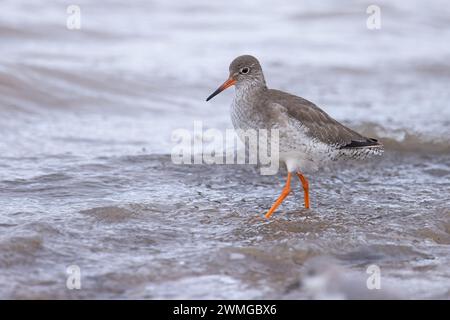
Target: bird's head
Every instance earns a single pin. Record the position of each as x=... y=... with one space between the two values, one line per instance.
x=245 y=72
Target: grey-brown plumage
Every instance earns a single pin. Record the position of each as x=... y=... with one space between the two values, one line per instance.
x=320 y=125
x=308 y=135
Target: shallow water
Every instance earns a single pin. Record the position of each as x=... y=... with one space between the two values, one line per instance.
x=144 y=227
x=86 y=178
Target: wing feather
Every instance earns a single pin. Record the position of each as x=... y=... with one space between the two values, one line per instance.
x=318 y=123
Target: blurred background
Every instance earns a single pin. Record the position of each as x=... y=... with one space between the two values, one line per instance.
x=135 y=71
x=86 y=123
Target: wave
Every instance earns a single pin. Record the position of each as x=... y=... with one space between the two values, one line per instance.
x=406 y=139
x=38 y=89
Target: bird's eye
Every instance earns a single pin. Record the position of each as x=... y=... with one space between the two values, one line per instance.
x=245 y=70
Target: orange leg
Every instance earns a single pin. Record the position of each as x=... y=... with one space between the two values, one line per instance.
x=284 y=194
x=305 y=188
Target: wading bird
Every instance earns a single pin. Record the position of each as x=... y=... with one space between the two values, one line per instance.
x=308 y=136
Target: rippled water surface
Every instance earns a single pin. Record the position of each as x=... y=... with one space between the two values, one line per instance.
x=86 y=176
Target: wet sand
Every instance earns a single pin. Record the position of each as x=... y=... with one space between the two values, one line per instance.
x=86 y=178
x=158 y=230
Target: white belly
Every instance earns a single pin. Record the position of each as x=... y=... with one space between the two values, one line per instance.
x=298 y=162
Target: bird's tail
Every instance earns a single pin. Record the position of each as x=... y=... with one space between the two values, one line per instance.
x=361 y=149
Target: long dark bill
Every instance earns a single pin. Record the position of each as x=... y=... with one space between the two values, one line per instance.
x=225 y=85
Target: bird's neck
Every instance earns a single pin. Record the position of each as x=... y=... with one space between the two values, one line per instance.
x=249 y=89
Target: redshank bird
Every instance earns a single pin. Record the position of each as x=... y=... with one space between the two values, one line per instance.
x=308 y=136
